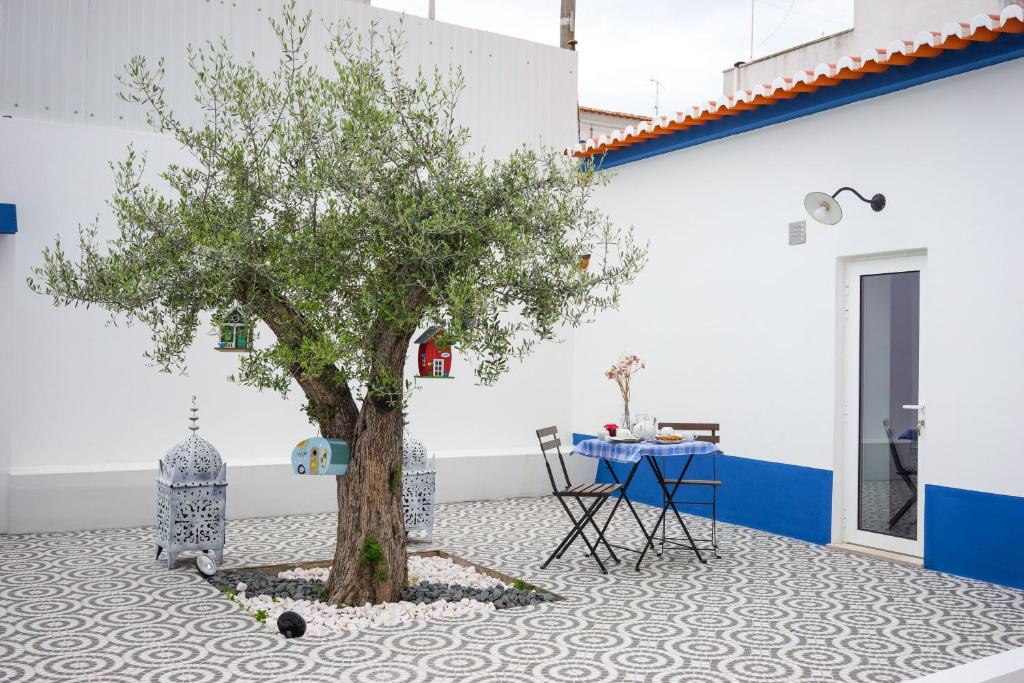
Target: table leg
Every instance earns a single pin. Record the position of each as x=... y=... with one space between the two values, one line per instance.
x=672 y=504
x=624 y=496
x=664 y=503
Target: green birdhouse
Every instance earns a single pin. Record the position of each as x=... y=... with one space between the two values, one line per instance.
x=235 y=331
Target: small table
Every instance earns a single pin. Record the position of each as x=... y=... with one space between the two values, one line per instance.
x=649 y=451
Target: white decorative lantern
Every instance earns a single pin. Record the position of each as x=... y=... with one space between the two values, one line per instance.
x=191 y=497
x=418 y=486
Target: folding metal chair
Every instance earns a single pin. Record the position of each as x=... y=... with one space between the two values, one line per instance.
x=713 y=483
x=598 y=494
x=905 y=472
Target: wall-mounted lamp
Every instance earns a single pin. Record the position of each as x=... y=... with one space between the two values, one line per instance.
x=825 y=209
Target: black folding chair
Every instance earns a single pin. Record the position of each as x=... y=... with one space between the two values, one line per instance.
x=905 y=473
x=598 y=494
x=713 y=483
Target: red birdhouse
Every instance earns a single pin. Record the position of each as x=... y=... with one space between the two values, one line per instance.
x=434 y=360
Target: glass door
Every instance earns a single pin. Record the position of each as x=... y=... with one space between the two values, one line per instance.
x=883 y=411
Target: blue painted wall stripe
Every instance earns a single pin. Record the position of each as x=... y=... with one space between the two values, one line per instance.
x=789 y=500
x=974 y=534
x=8 y=219
x=976 y=55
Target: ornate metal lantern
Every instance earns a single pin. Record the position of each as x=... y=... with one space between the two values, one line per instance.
x=191 y=497
x=418 y=486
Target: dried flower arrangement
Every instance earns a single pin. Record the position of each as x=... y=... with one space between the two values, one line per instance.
x=622 y=373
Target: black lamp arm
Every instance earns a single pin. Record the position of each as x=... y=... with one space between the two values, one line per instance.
x=877 y=202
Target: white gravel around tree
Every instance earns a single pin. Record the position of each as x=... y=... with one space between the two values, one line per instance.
x=323 y=618
x=421 y=568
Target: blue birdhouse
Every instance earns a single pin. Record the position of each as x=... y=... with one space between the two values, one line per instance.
x=317 y=455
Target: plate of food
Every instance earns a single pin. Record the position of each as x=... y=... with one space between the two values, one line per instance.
x=670 y=438
x=624 y=439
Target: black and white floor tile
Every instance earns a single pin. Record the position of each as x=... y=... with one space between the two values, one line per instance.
x=96 y=606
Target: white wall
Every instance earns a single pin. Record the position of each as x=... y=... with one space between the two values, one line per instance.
x=739 y=327
x=81 y=399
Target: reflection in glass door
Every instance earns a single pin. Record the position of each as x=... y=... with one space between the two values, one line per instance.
x=887 y=440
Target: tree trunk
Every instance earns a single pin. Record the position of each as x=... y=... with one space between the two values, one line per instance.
x=369 y=558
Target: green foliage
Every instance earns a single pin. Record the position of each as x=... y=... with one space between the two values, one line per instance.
x=229 y=591
x=521 y=585
x=344 y=209
x=372 y=555
x=324 y=595
x=261 y=615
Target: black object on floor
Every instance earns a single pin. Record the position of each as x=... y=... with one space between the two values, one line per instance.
x=291 y=625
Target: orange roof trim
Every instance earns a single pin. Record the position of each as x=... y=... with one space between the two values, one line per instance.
x=953 y=36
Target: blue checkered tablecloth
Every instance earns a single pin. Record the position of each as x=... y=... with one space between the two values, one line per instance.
x=632 y=452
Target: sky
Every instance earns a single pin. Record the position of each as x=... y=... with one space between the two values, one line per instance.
x=624 y=44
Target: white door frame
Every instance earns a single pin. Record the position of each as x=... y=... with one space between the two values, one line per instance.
x=849 y=455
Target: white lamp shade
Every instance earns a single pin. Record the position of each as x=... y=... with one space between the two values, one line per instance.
x=823 y=208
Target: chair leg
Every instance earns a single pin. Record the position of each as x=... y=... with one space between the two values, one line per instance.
x=597 y=504
x=593 y=522
x=714 y=522
x=600 y=532
x=903 y=510
x=565 y=542
x=661 y=551
x=577 y=527
x=578 y=531
x=906 y=506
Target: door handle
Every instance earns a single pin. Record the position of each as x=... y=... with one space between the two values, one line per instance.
x=919 y=407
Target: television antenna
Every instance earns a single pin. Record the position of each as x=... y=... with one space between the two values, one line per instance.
x=657 y=95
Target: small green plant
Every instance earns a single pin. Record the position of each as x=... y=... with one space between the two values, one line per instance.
x=261 y=616
x=229 y=591
x=521 y=585
x=372 y=555
x=324 y=595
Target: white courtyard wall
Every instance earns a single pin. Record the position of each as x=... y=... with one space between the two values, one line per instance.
x=739 y=327
x=83 y=420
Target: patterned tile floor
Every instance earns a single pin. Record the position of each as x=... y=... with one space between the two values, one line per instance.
x=95 y=606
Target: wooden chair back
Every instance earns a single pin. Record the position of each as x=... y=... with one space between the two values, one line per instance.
x=549 y=441
x=711 y=427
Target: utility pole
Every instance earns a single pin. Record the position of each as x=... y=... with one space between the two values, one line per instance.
x=567 y=25
x=751 y=29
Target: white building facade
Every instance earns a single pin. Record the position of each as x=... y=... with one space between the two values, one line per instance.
x=85 y=390
x=801 y=350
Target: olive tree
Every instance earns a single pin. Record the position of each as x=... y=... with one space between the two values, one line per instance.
x=341 y=208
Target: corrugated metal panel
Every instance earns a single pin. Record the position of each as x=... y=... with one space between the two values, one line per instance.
x=59 y=60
